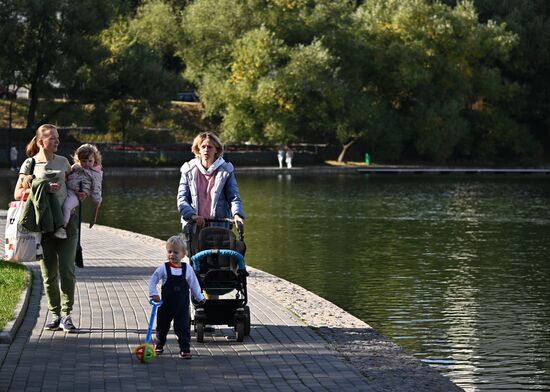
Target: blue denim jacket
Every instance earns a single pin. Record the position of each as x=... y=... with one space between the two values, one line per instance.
x=226 y=202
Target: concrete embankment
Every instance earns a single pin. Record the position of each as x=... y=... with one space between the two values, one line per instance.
x=322 y=170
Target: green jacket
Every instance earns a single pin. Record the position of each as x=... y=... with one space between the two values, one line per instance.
x=42 y=213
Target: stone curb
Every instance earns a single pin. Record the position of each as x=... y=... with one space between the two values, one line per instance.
x=8 y=333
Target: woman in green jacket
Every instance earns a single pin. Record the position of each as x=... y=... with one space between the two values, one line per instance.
x=58 y=264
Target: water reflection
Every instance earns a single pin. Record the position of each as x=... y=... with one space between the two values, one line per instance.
x=454 y=269
x=445 y=267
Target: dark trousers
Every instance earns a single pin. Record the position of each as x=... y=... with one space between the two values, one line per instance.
x=180 y=315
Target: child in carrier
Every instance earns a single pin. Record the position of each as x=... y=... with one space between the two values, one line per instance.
x=86 y=176
x=178 y=279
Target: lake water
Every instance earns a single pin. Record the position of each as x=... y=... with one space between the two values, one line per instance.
x=456 y=269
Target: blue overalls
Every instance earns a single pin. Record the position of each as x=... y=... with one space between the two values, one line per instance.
x=175 y=306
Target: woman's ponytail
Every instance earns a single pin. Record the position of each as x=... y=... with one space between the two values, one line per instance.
x=32 y=148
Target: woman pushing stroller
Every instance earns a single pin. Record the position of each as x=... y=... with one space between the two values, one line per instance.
x=207 y=189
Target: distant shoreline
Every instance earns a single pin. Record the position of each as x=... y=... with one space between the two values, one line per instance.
x=323 y=169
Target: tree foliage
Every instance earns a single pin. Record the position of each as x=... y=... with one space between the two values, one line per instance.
x=416 y=79
x=404 y=75
x=265 y=67
x=103 y=52
x=136 y=49
x=51 y=44
x=432 y=64
x=529 y=63
x=139 y=65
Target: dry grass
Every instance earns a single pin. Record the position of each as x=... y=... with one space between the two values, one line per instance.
x=181 y=118
x=346 y=163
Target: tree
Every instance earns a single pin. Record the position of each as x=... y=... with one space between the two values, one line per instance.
x=8 y=34
x=265 y=68
x=51 y=43
x=430 y=65
x=403 y=74
x=529 y=63
x=139 y=65
x=209 y=29
x=277 y=93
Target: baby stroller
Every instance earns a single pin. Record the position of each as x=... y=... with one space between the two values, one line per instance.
x=217 y=258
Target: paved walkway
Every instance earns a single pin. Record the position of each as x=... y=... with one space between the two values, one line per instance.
x=112 y=310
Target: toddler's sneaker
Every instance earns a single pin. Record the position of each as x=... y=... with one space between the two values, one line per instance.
x=159 y=348
x=67 y=324
x=185 y=355
x=60 y=233
x=53 y=325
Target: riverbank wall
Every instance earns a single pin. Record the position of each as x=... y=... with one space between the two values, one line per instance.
x=169 y=154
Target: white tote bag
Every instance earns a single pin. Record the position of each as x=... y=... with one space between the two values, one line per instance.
x=21 y=244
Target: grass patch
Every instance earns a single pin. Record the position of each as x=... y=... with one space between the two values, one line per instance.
x=13 y=279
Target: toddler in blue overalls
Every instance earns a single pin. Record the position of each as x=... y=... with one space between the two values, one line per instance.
x=177 y=280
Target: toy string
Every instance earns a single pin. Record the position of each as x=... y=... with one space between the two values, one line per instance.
x=152 y=319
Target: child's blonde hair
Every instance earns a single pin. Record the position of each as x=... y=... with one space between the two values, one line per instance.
x=177 y=240
x=85 y=151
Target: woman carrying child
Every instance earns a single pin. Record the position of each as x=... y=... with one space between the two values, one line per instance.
x=58 y=264
x=86 y=176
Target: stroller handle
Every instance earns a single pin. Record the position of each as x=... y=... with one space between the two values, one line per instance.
x=196 y=259
x=240 y=226
x=218 y=220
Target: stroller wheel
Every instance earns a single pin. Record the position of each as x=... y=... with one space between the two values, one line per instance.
x=239 y=327
x=247 y=321
x=199 y=327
